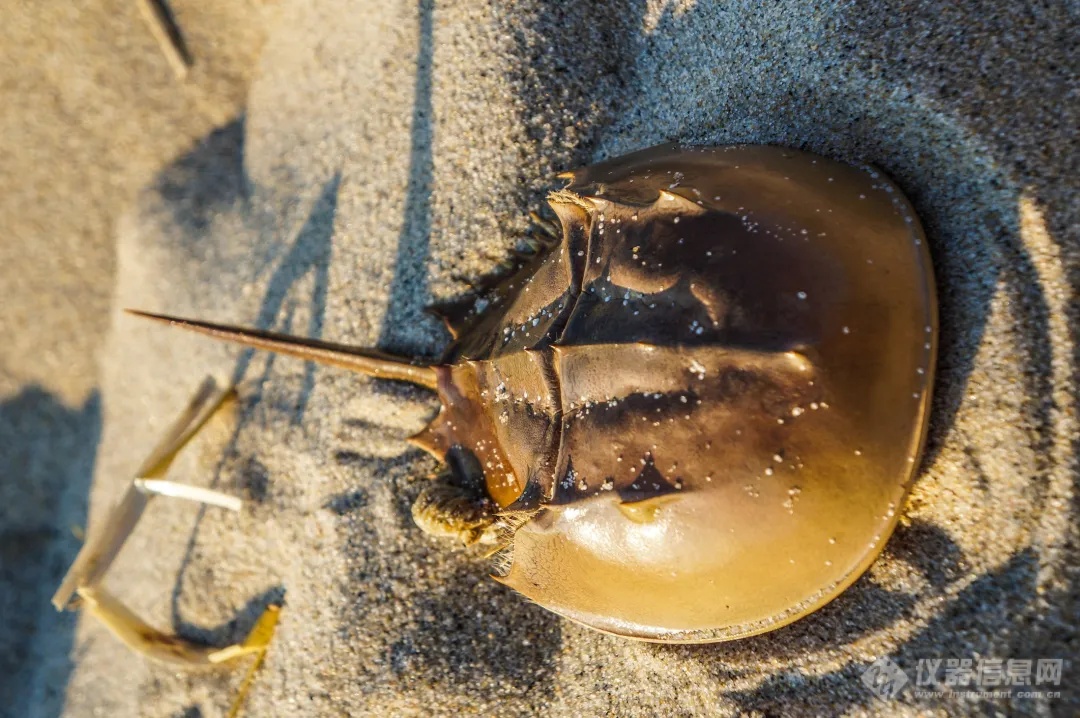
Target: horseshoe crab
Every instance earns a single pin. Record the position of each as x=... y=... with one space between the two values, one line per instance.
x=694 y=414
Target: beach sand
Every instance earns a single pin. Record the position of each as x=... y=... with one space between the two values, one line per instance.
x=331 y=171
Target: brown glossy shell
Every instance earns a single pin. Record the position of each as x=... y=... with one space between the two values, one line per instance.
x=710 y=396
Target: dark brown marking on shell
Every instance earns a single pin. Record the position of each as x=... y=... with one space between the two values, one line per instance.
x=739 y=342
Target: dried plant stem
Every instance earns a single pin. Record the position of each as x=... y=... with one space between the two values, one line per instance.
x=167 y=34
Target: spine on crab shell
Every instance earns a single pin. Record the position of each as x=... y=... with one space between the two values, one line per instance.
x=364 y=361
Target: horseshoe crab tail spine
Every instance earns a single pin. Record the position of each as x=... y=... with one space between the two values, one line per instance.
x=365 y=361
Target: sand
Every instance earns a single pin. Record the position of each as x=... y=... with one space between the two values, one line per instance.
x=332 y=170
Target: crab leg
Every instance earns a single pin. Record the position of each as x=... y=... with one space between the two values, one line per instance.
x=550 y=231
